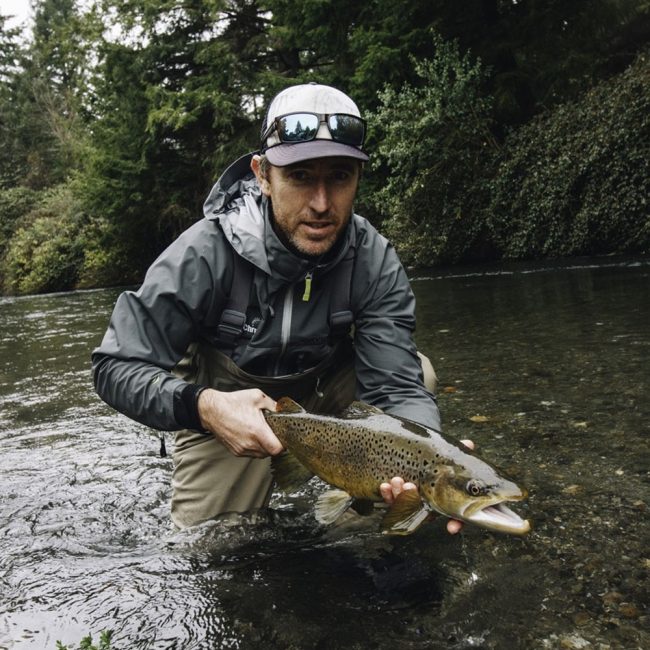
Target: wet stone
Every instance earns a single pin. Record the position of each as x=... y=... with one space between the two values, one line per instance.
x=629 y=610
x=574 y=642
x=612 y=597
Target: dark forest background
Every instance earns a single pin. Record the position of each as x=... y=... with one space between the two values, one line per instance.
x=514 y=129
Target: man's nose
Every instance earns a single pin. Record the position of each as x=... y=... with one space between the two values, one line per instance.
x=320 y=198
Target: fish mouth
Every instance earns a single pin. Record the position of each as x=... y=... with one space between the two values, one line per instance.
x=498 y=516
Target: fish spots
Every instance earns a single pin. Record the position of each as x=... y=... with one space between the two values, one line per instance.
x=355 y=451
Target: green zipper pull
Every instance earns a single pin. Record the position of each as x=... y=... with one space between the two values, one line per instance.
x=307 y=294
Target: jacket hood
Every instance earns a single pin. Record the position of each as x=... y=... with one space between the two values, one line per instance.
x=243 y=212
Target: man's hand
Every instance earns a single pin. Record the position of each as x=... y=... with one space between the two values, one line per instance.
x=236 y=419
x=389 y=492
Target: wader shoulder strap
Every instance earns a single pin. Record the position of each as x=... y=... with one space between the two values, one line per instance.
x=341 y=316
x=233 y=317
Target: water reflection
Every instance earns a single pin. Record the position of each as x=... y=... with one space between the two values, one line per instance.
x=554 y=360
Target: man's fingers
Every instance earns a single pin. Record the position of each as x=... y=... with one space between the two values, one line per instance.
x=397 y=485
x=390 y=491
x=454 y=526
x=386 y=492
x=270 y=444
x=263 y=401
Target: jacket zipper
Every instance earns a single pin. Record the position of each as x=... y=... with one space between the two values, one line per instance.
x=287 y=313
x=287 y=316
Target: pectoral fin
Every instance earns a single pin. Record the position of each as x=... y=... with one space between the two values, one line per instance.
x=331 y=505
x=406 y=514
x=289 y=473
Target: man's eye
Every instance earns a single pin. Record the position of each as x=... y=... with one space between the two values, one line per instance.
x=299 y=175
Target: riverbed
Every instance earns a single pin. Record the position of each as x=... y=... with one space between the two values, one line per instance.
x=545 y=367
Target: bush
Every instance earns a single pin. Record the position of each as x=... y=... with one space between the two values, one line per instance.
x=577 y=181
x=51 y=244
x=15 y=202
x=435 y=141
x=45 y=251
x=106 y=260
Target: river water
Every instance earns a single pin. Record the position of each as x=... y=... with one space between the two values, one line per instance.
x=546 y=369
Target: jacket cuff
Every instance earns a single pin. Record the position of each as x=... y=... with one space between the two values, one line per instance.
x=186 y=408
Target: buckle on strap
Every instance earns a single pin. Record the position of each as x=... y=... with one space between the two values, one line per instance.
x=231 y=325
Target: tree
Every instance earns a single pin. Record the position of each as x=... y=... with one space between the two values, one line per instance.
x=175 y=103
x=435 y=157
x=10 y=146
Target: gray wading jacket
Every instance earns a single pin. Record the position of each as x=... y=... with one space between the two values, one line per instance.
x=184 y=292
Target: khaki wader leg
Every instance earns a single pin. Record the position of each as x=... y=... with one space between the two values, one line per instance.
x=208 y=480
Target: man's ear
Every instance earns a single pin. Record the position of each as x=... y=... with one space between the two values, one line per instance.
x=262 y=178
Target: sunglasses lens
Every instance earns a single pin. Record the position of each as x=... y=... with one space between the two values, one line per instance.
x=347 y=129
x=298 y=127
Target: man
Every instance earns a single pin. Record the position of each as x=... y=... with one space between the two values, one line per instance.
x=257 y=301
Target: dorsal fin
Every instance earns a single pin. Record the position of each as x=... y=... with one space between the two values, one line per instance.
x=357 y=410
x=287 y=405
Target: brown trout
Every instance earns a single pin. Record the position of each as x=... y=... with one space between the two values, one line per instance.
x=364 y=447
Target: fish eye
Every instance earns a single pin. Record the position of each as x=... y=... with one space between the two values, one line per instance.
x=475 y=487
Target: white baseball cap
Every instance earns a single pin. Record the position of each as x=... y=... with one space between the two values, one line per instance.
x=324 y=139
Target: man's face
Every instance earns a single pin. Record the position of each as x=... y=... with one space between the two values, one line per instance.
x=312 y=201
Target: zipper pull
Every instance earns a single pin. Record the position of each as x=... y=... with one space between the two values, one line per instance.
x=307 y=294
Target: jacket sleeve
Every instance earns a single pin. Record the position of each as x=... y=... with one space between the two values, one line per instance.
x=389 y=372
x=150 y=331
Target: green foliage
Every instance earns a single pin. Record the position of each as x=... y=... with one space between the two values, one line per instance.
x=131 y=110
x=106 y=260
x=45 y=251
x=14 y=203
x=577 y=181
x=434 y=140
x=545 y=52
x=174 y=102
x=87 y=642
x=11 y=150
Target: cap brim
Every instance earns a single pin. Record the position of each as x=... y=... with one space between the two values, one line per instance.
x=287 y=154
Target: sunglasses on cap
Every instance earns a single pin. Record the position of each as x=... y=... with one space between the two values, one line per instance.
x=303 y=127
